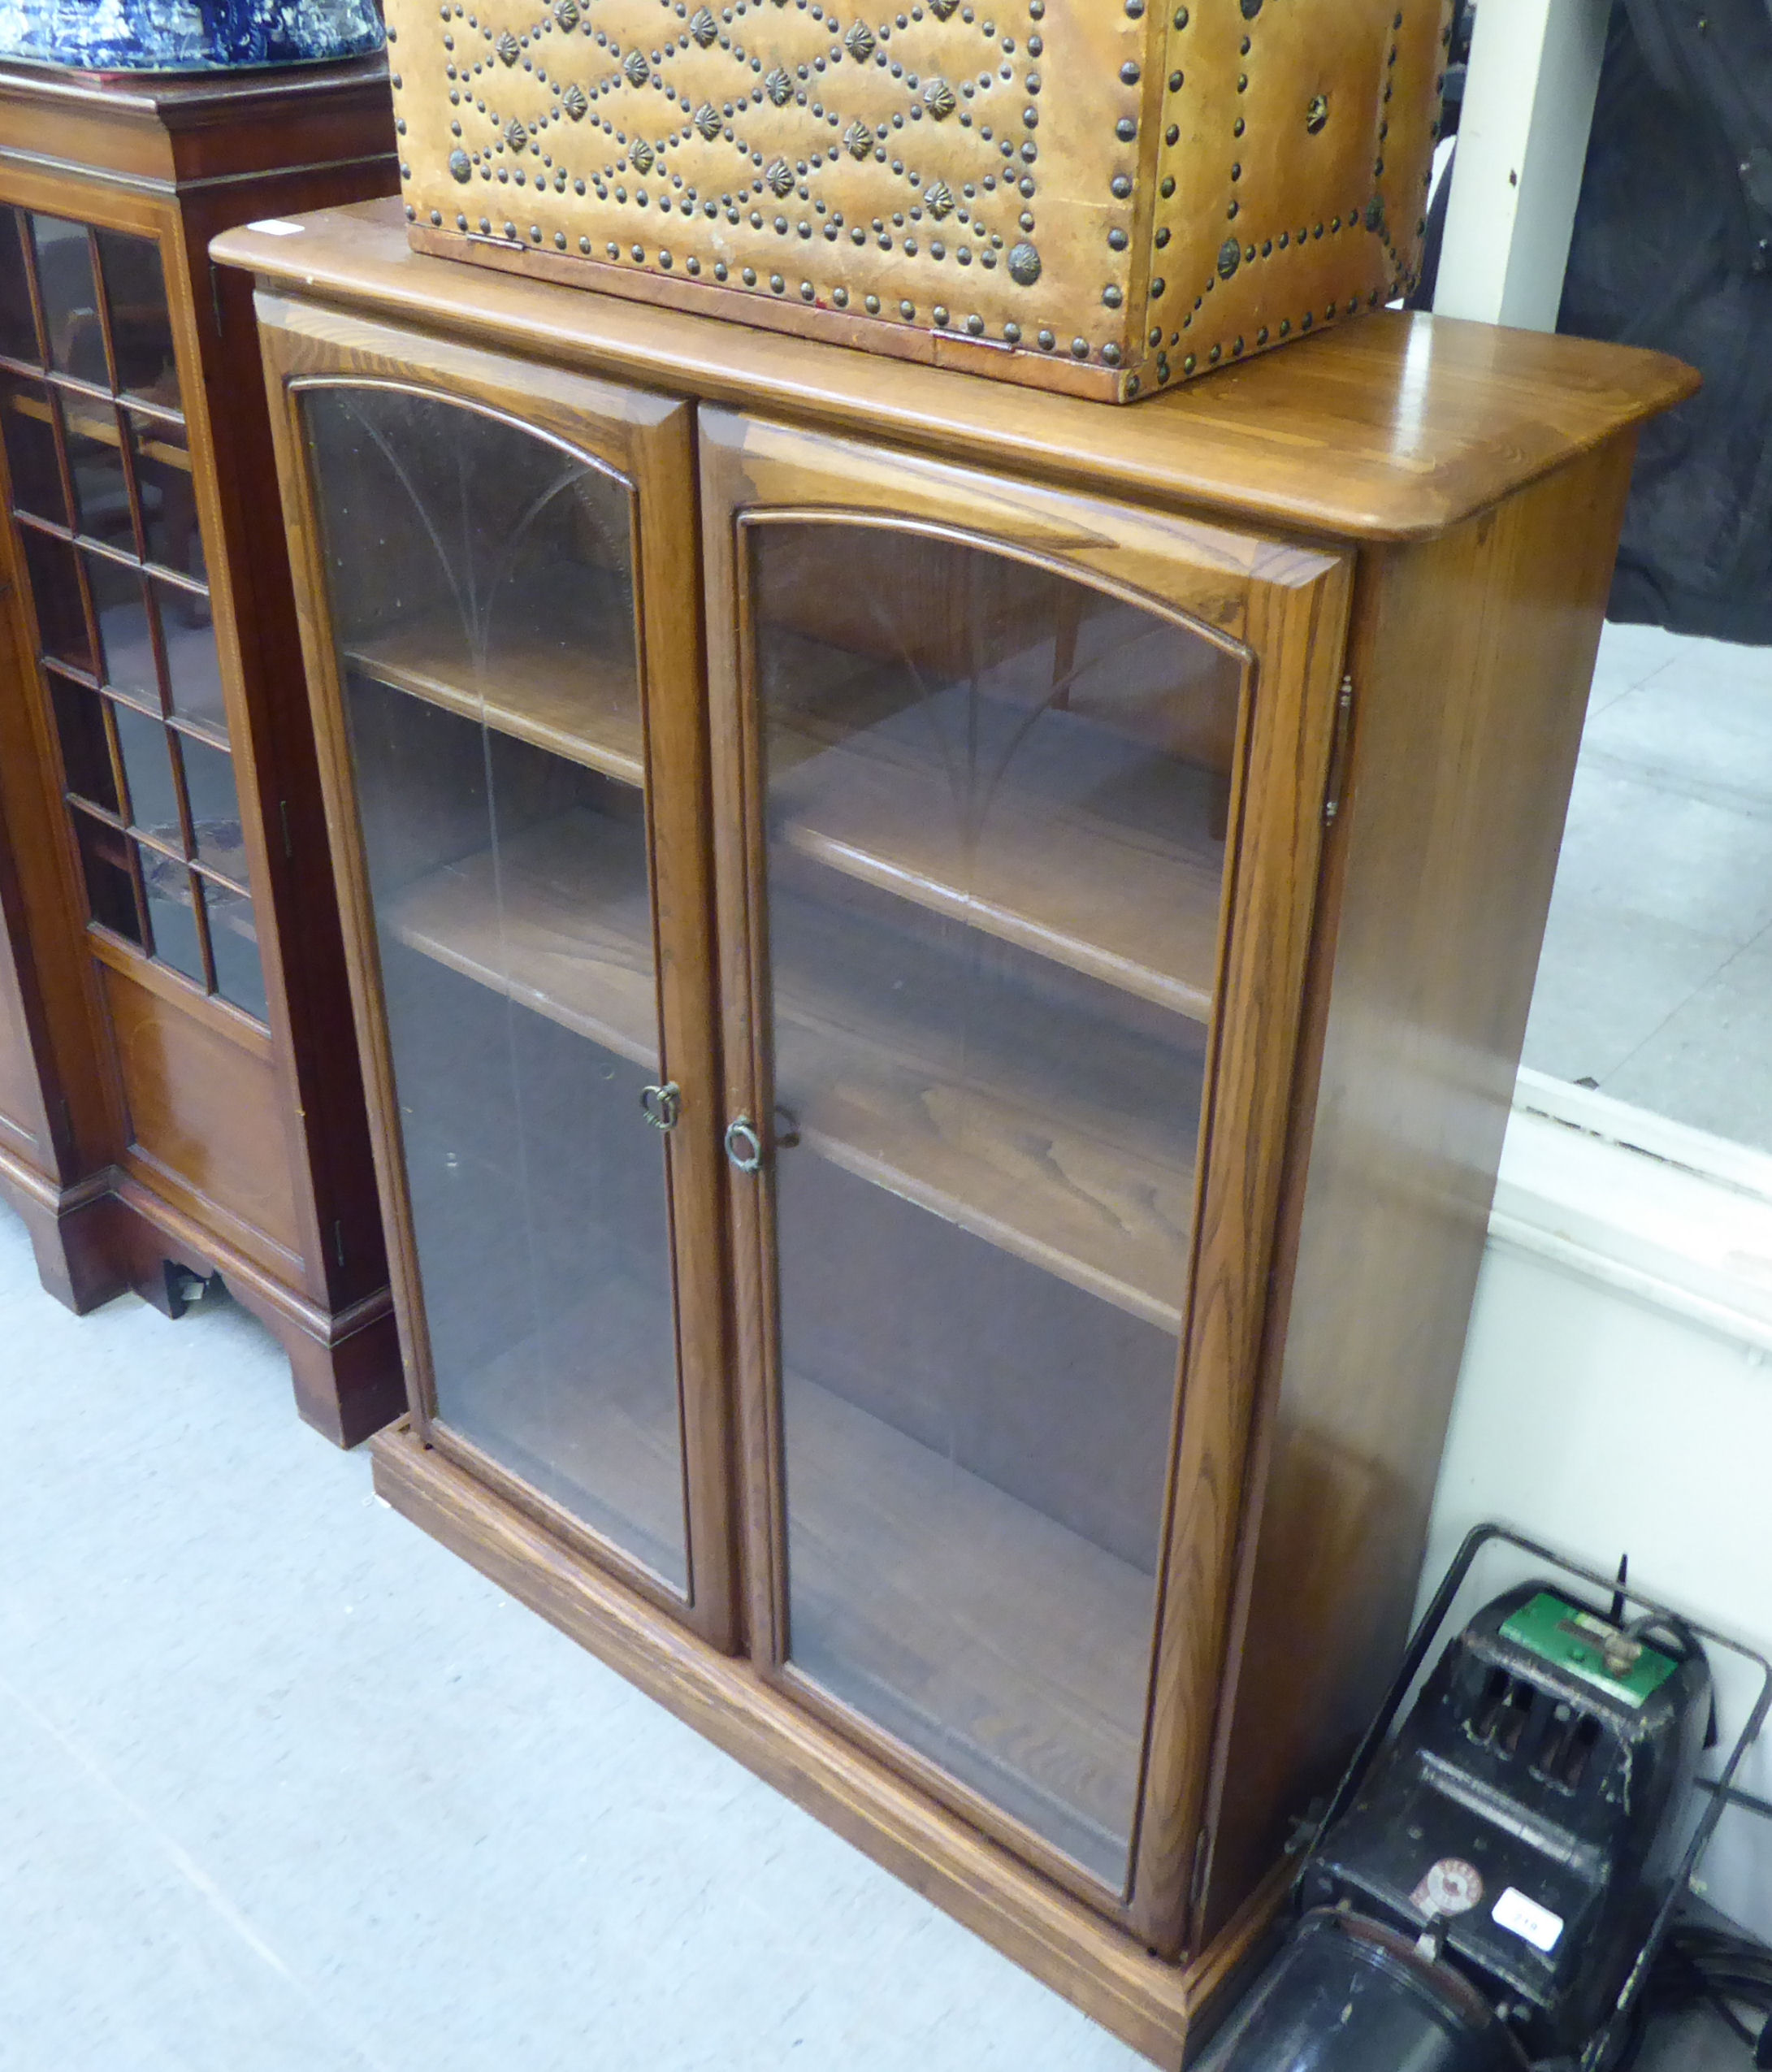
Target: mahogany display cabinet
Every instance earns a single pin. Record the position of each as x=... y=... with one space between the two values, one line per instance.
x=179 y=1087
x=940 y=972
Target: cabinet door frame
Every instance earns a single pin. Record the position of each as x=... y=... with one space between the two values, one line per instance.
x=646 y=442
x=101 y=205
x=1283 y=607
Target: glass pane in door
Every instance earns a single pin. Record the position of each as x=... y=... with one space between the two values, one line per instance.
x=18 y=322
x=101 y=489
x=140 y=320
x=27 y=431
x=996 y=811
x=482 y=598
x=69 y=294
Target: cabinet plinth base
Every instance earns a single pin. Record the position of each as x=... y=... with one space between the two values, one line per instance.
x=108 y=1234
x=68 y=1234
x=1149 y=2003
x=345 y=1364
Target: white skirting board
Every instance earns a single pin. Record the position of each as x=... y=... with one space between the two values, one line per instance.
x=1616 y=1389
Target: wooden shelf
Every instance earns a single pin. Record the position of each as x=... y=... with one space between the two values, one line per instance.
x=101 y=426
x=563 y=693
x=582 y=1410
x=1069 y=1142
x=1004 y=1646
x=558 y=919
x=1068 y=839
x=1057 y=1135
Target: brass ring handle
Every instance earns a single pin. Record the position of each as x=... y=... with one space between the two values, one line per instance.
x=662 y=1105
x=744 y=1147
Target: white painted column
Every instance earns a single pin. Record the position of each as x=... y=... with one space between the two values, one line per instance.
x=1523 y=137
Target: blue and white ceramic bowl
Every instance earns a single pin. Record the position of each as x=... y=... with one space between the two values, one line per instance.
x=118 y=36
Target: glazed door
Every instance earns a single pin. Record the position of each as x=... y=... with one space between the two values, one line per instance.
x=101 y=482
x=1020 y=798
x=508 y=644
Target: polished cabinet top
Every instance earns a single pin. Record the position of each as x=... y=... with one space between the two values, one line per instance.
x=1396 y=427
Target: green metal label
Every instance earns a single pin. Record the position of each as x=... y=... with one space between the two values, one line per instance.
x=1589 y=1647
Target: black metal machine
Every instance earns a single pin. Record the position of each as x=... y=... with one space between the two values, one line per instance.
x=1487 y=1888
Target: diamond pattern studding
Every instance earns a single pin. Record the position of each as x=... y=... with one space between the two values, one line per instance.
x=940 y=162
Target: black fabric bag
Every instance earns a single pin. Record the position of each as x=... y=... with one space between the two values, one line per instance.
x=1673 y=248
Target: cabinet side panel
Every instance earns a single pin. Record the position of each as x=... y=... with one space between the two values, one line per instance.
x=1471 y=657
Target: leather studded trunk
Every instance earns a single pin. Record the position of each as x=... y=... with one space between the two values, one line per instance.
x=1101 y=196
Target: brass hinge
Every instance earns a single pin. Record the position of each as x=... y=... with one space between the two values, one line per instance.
x=1338 y=750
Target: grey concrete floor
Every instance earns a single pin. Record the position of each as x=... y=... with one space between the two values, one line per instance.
x=285 y=1787
x=1656 y=981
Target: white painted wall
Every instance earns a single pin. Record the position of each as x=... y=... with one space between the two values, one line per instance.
x=1610 y=1402
x=1523 y=137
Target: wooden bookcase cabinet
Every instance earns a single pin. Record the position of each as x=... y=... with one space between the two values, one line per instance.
x=1000 y=1398
x=179 y=1088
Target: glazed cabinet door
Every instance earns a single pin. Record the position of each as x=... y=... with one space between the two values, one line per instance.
x=497 y=564
x=1020 y=798
x=102 y=483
